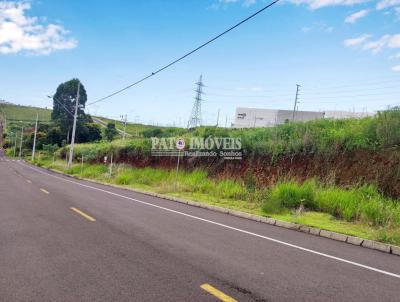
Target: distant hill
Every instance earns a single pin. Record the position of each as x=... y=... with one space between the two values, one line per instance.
x=27 y=115
x=24 y=113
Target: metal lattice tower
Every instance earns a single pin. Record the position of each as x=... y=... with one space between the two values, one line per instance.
x=195 y=117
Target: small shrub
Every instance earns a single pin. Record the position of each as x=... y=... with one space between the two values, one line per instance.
x=337 y=202
x=125 y=178
x=230 y=189
x=94 y=171
x=195 y=181
x=291 y=195
x=271 y=205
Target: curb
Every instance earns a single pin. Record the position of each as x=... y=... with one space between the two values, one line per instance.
x=365 y=243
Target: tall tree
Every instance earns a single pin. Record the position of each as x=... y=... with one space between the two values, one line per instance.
x=110 y=132
x=64 y=106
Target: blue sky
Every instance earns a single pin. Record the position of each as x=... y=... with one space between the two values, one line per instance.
x=344 y=53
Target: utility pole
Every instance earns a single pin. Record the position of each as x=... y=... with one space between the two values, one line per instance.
x=71 y=149
x=1 y=133
x=124 y=121
x=34 y=137
x=15 y=144
x=218 y=117
x=20 y=144
x=195 y=117
x=296 y=101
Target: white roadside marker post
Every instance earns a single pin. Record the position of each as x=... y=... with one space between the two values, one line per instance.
x=111 y=164
x=180 y=145
x=82 y=166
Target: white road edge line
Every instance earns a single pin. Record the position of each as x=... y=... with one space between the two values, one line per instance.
x=223 y=225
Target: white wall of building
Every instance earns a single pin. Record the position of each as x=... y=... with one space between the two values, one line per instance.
x=255 y=117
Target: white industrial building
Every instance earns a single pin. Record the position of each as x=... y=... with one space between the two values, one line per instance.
x=255 y=117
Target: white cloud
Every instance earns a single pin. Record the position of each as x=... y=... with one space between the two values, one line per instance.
x=356 y=41
x=316 y=4
x=396 y=68
x=386 y=3
x=249 y=2
x=245 y=3
x=395 y=56
x=256 y=89
x=22 y=33
x=397 y=12
x=358 y=15
x=386 y=41
x=377 y=45
x=318 y=27
x=313 y=4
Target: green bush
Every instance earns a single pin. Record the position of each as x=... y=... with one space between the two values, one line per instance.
x=338 y=202
x=195 y=181
x=124 y=178
x=231 y=190
x=94 y=171
x=290 y=195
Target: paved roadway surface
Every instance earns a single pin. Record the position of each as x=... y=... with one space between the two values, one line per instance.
x=68 y=240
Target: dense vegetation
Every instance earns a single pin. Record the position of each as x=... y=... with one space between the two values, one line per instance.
x=324 y=136
x=363 y=203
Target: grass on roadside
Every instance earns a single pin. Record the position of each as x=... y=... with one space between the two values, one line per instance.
x=359 y=211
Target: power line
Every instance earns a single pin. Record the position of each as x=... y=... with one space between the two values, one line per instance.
x=316 y=97
x=310 y=92
x=362 y=84
x=248 y=96
x=61 y=104
x=186 y=55
x=350 y=90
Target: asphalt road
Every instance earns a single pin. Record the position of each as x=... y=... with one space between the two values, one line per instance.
x=68 y=240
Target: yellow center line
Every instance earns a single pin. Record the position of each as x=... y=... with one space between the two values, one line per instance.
x=44 y=191
x=217 y=293
x=90 y=218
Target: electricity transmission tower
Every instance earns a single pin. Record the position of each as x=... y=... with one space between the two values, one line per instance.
x=195 y=117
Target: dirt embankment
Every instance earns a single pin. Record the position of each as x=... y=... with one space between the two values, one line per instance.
x=349 y=168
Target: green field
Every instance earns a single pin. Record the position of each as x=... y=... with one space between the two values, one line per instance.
x=132 y=129
x=18 y=114
x=24 y=113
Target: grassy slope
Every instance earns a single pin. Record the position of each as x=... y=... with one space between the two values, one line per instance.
x=25 y=113
x=132 y=129
x=15 y=113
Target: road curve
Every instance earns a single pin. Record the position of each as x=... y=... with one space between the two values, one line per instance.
x=68 y=240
